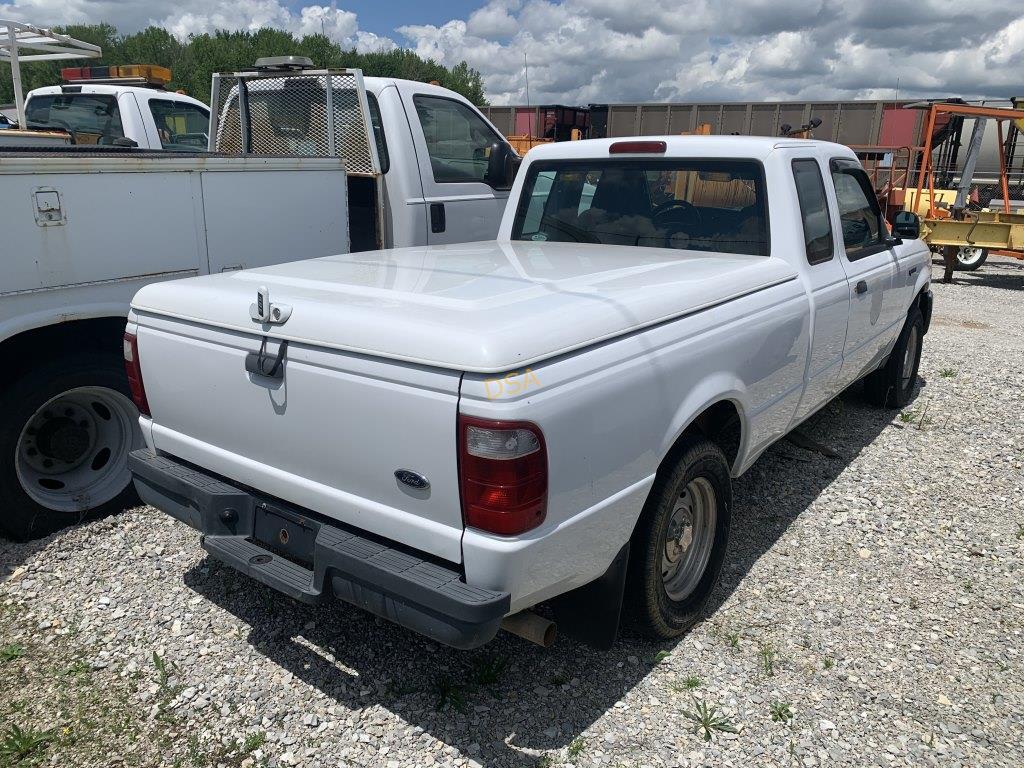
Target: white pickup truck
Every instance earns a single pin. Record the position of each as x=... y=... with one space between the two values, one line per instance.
x=448 y=436
x=405 y=164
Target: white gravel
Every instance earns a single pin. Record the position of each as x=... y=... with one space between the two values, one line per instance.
x=879 y=595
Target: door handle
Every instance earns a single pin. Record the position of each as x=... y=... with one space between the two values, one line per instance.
x=437 y=222
x=862 y=287
x=913 y=271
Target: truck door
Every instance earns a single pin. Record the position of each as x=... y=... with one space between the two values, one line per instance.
x=830 y=290
x=869 y=266
x=453 y=142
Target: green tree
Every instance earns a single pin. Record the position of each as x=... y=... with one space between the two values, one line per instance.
x=192 y=63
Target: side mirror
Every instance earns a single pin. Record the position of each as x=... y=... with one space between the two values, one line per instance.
x=502 y=166
x=907 y=225
x=124 y=141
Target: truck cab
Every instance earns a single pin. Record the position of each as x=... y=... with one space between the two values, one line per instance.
x=425 y=166
x=96 y=108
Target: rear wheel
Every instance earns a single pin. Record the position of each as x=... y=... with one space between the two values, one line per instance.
x=970 y=258
x=67 y=430
x=680 y=541
x=893 y=385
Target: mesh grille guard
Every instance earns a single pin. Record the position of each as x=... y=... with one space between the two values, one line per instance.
x=317 y=113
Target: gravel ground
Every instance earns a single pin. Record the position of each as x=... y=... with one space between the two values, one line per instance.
x=872 y=613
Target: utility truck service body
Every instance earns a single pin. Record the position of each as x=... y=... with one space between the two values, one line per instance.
x=449 y=435
x=86 y=227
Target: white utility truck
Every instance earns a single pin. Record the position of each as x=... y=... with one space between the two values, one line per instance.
x=86 y=227
x=120 y=106
x=449 y=435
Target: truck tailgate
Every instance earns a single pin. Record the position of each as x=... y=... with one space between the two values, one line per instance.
x=329 y=435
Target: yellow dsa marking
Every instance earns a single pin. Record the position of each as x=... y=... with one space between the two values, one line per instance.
x=512 y=384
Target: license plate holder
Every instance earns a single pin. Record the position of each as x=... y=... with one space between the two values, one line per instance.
x=285 y=532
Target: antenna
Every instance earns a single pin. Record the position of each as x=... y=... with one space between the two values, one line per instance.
x=526 y=70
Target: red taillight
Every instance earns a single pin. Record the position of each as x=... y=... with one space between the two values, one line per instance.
x=503 y=472
x=638 y=148
x=134 y=370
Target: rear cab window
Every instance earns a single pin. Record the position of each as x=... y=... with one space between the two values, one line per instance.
x=90 y=118
x=458 y=140
x=687 y=204
x=810 y=191
x=182 y=127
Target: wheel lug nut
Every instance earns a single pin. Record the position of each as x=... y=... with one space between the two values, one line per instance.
x=47 y=463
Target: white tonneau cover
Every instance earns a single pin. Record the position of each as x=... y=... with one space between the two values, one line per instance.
x=484 y=307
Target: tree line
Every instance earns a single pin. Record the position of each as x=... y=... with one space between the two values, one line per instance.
x=193 y=62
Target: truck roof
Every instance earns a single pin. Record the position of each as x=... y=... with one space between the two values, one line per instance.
x=756 y=147
x=114 y=89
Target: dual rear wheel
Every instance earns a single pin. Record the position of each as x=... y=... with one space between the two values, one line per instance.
x=65 y=435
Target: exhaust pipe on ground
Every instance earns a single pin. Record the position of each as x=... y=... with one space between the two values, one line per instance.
x=529 y=626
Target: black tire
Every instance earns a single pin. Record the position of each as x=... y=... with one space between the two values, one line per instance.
x=21 y=517
x=890 y=386
x=970 y=263
x=648 y=602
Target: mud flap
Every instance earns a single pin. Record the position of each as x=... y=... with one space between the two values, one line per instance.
x=590 y=614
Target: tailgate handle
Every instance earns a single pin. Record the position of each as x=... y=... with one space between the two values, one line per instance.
x=261 y=364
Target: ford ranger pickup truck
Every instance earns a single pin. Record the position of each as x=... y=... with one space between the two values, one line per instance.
x=448 y=436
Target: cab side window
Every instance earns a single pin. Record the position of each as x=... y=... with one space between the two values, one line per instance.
x=458 y=140
x=864 y=232
x=810 y=191
x=182 y=126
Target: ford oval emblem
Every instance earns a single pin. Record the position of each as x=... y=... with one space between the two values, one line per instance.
x=412 y=479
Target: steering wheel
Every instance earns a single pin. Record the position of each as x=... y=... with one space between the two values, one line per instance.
x=675 y=216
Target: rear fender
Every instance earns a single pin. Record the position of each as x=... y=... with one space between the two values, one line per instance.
x=713 y=389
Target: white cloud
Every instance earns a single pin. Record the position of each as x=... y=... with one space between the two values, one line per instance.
x=582 y=51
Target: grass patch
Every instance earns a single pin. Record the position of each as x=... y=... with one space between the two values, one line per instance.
x=254 y=741
x=488 y=670
x=781 y=712
x=11 y=651
x=18 y=745
x=708 y=720
x=768 y=656
x=447 y=693
x=947 y=373
x=576 y=747
x=660 y=656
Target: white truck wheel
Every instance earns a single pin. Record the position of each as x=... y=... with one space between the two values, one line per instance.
x=64 y=445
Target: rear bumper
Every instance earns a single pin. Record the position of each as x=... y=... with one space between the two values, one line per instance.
x=393 y=583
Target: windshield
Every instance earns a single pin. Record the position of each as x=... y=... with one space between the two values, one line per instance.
x=704 y=205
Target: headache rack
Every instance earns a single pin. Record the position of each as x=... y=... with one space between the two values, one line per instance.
x=284 y=107
x=289 y=111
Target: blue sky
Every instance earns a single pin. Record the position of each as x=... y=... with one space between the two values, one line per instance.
x=583 y=51
x=383 y=18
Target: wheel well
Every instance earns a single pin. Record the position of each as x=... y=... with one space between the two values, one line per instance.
x=98 y=334
x=721 y=424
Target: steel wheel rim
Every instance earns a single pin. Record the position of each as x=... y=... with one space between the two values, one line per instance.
x=910 y=357
x=72 y=455
x=688 y=539
x=968 y=255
